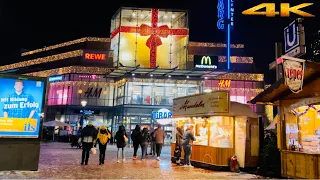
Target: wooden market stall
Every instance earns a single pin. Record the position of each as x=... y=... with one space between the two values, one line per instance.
x=222 y=129
x=298 y=129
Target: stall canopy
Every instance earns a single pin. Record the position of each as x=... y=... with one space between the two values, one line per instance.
x=238 y=109
x=280 y=91
x=55 y=123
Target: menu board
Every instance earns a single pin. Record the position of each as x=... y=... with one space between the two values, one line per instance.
x=221 y=132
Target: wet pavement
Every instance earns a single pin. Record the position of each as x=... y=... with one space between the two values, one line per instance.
x=60 y=161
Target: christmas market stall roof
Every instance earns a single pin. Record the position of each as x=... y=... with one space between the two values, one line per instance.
x=280 y=91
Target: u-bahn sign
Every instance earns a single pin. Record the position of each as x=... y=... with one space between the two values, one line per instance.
x=293 y=73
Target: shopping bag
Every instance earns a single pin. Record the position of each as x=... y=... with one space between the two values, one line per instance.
x=125 y=138
x=177 y=152
x=93 y=150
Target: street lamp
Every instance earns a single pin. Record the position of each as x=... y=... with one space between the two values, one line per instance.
x=83 y=104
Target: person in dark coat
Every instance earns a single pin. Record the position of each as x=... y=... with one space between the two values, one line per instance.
x=121 y=137
x=136 y=140
x=88 y=139
x=145 y=138
x=179 y=141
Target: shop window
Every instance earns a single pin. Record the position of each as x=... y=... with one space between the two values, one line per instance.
x=192 y=90
x=159 y=96
x=170 y=95
x=303 y=129
x=147 y=95
x=182 y=91
x=145 y=120
x=136 y=97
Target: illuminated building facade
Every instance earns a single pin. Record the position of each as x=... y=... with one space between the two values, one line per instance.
x=138 y=71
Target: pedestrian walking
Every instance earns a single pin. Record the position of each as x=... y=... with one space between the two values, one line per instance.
x=159 y=140
x=153 y=144
x=121 y=138
x=187 y=145
x=87 y=140
x=179 y=141
x=136 y=140
x=102 y=139
x=144 y=142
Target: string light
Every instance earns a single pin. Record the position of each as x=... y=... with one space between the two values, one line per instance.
x=220 y=45
x=77 y=41
x=233 y=59
x=81 y=83
x=70 y=69
x=46 y=59
x=241 y=77
x=269 y=112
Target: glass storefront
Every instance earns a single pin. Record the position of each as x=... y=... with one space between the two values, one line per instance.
x=139 y=92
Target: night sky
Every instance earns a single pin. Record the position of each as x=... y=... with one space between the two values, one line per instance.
x=34 y=24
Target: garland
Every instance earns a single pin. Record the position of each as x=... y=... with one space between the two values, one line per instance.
x=295 y=112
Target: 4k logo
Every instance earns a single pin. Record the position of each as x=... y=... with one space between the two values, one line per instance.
x=285 y=10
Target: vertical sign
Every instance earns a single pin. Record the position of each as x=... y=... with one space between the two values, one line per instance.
x=226 y=18
x=294 y=39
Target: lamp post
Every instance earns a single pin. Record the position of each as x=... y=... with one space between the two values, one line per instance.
x=83 y=104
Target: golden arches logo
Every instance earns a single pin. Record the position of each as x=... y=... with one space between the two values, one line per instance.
x=206 y=60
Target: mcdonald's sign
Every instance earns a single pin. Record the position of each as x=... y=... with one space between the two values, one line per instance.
x=206 y=62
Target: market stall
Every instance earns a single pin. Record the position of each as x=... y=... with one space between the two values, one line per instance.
x=297 y=96
x=222 y=129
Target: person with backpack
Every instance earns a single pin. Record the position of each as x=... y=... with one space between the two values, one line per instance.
x=145 y=138
x=121 y=138
x=102 y=139
x=136 y=140
x=87 y=140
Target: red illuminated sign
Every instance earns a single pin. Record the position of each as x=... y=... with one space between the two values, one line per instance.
x=224 y=83
x=95 y=56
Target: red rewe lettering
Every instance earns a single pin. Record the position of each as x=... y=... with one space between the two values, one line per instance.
x=94 y=56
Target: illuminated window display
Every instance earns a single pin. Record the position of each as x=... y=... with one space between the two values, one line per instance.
x=240 y=91
x=73 y=88
x=134 y=43
x=148 y=93
x=303 y=129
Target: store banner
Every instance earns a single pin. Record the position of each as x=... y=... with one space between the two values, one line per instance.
x=293 y=73
x=214 y=103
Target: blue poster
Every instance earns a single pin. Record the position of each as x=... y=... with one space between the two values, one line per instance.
x=21 y=104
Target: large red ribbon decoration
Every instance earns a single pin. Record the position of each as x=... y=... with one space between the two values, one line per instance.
x=154 y=31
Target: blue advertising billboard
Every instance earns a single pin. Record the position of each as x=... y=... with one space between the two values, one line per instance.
x=21 y=102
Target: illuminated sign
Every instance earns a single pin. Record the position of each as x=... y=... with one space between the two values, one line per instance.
x=294 y=39
x=91 y=92
x=95 y=56
x=209 y=62
x=293 y=73
x=161 y=114
x=220 y=23
x=90 y=76
x=225 y=13
x=21 y=104
x=55 y=78
x=285 y=10
x=224 y=83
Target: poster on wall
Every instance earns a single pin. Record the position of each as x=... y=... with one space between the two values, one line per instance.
x=293 y=69
x=214 y=103
x=201 y=133
x=221 y=132
x=240 y=139
x=21 y=101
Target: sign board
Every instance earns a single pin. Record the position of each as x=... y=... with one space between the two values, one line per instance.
x=225 y=13
x=162 y=114
x=294 y=39
x=205 y=62
x=214 y=103
x=92 y=57
x=293 y=73
x=21 y=102
x=55 y=78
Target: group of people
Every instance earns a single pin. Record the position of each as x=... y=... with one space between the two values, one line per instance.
x=90 y=136
x=144 y=138
x=184 y=142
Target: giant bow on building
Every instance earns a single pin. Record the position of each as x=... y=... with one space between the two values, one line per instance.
x=165 y=37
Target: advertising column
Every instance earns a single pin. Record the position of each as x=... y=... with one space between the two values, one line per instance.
x=21 y=103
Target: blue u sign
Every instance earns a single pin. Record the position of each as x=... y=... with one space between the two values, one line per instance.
x=291 y=37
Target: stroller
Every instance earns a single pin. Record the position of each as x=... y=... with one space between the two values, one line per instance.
x=74 y=141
